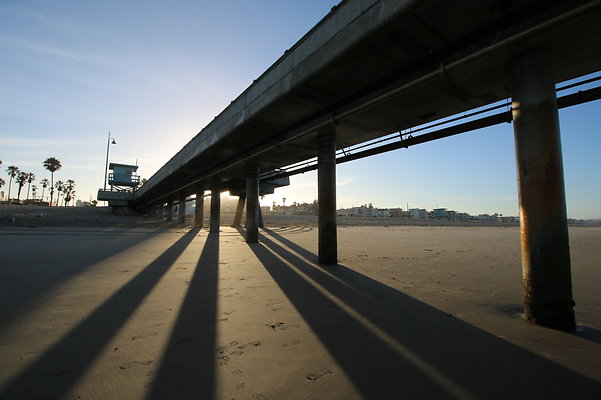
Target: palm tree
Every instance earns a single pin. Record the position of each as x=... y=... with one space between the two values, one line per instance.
x=34 y=190
x=44 y=183
x=2 y=183
x=69 y=190
x=52 y=165
x=21 y=179
x=59 y=186
x=12 y=172
x=30 y=178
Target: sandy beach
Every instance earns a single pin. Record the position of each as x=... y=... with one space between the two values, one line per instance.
x=96 y=306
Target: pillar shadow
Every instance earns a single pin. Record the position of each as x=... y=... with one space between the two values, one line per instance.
x=187 y=369
x=588 y=333
x=59 y=368
x=387 y=342
x=66 y=259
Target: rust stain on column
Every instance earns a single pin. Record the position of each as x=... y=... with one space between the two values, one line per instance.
x=544 y=231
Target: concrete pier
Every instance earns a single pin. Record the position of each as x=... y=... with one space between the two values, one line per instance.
x=181 y=209
x=169 y=211
x=239 y=210
x=215 y=205
x=252 y=206
x=544 y=232
x=200 y=204
x=326 y=173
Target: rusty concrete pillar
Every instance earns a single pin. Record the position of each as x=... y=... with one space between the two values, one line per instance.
x=215 y=205
x=199 y=205
x=326 y=186
x=543 y=220
x=169 y=210
x=252 y=205
x=181 y=209
x=239 y=210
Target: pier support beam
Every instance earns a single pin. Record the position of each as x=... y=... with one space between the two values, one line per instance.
x=169 y=211
x=543 y=220
x=252 y=205
x=261 y=223
x=239 y=210
x=326 y=186
x=181 y=209
x=200 y=205
x=215 y=205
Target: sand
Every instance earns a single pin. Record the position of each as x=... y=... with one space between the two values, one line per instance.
x=132 y=308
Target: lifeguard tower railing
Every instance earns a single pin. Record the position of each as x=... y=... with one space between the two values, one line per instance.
x=124 y=179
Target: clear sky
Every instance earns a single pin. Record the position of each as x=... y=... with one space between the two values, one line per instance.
x=154 y=73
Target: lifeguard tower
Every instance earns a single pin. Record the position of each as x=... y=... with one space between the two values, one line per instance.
x=123 y=177
x=123 y=182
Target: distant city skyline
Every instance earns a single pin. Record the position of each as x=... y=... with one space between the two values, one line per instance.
x=154 y=74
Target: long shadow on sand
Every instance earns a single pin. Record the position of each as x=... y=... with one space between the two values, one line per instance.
x=390 y=344
x=58 y=369
x=41 y=260
x=187 y=369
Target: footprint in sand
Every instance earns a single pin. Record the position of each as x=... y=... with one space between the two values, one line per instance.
x=134 y=363
x=249 y=345
x=281 y=326
x=315 y=377
x=142 y=336
x=293 y=343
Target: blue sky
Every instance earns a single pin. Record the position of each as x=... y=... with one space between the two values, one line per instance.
x=154 y=73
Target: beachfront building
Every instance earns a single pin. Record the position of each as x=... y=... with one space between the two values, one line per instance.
x=364 y=211
x=418 y=213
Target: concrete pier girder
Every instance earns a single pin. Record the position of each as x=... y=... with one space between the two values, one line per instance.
x=169 y=211
x=252 y=205
x=544 y=231
x=181 y=209
x=239 y=210
x=215 y=205
x=326 y=186
x=200 y=204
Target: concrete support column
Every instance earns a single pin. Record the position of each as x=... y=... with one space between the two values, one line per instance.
x=200 y=204
x=169 y=213
x=239 y=209
x=544 y=231
x=181 y=209
x=252 y=206
x=261 y=224
x=326 y=186
x=215 y=205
